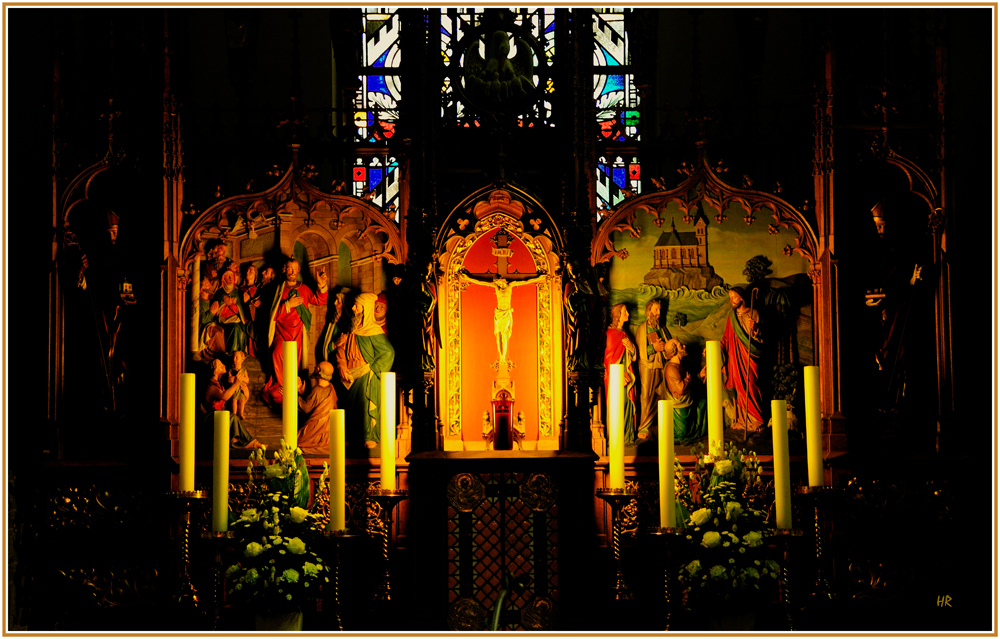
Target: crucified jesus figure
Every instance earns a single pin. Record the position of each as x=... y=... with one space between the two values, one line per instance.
x=503 y=315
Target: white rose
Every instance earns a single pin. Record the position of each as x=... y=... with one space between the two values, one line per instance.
x=700 y=516
x=723 y=467
x=298 y=515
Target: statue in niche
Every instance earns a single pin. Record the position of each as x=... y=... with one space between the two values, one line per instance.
x=655 y=347
x=362 y=355
x=690 y=407
x=426 y=298
x=900 y=288
x=503 y=315
x=620 y=349
x=100 y=277
x=578 y=298
x=742 y=348
x=498 y=78
x=290 y=320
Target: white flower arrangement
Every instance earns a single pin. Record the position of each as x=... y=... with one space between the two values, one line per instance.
x=726 y=532
x=277 y=569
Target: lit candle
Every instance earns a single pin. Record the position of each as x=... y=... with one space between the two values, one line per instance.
x=186 y=434
x=814 y=427
x=338 y=475
x=220 y=473
x=713 y=370
x=668 y=518
x=616 y=427
x=782 y=479
x=388 y=432
x=290 y=394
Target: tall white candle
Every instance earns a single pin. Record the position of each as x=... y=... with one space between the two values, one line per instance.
x=713 y=371
x=290 y=394
x=665 y=435
x=186 y=434
x=388 y=432
x=814 y=426
x=782 y=472
x=338 y=474
x=220 y=473
x=616 y=427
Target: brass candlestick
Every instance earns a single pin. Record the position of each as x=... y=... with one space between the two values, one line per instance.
x=186 y=595
x=218 y=542
x=666 y=537
x=336 y=537
x=783 y=540
x=818 y=497
x=617 y=498
x=387 y=500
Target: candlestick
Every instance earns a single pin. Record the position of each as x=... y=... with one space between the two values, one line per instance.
x=290 y=394
x=618 y=498
x=782 y=479
x=186 y=434
x=616 y=427
x=386 y=500
x=713 y=370
x=338 y=476
x=665 y=443
x=388 y=432
x=220 y=473
x=814 y=426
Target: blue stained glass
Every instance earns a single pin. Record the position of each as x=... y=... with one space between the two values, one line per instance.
x=445 y=31
x=613 y=83
x=381 y=59
x=551 y=27
x=620 y=176
x=608 y=58
x=376 y=84
x=375 y=176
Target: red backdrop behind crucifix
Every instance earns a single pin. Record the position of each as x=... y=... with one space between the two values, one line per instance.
x=479 y=348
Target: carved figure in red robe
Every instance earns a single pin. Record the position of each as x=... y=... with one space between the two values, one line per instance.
x=289 y=322
x=620 y=349
x=741 y=352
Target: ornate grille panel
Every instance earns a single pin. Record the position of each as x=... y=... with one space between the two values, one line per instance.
x=502 y=532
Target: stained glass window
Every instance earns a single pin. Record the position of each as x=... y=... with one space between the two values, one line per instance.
x=376 y=109
x=457 y=23
x=617 y=106
x=376 y=174
x=614 y=178
x=377 y=178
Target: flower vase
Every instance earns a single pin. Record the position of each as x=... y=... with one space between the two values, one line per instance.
x=291 y=621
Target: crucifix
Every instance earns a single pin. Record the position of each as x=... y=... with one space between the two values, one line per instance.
x=503 y=283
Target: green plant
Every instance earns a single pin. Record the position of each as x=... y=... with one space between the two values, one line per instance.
x=278 y=569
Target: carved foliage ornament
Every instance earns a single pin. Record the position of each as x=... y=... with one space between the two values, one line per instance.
x=701 y=188
x=244 y=216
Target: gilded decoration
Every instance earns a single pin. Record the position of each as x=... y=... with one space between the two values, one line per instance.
x=465 y=491
x=499 y=213
x=539 y=492
x=467 y=615
x=537 y=615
